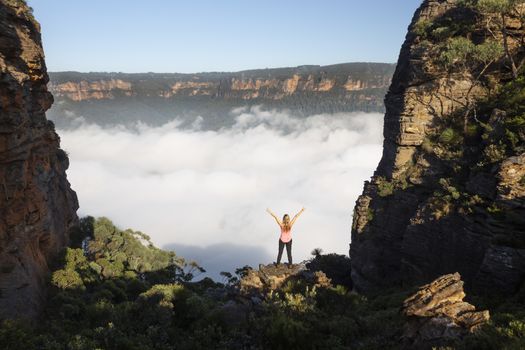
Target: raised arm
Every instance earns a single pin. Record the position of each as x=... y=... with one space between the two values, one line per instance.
x=275 y=217
x=296 y=216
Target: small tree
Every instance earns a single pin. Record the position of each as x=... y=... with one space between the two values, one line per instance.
x=228 y=278
x=316 y=252
x=461 y=55
x=497 y=14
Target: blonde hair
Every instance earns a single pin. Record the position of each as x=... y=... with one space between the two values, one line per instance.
x=286 y=222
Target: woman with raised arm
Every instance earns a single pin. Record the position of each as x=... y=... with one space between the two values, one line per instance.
x=286 y=235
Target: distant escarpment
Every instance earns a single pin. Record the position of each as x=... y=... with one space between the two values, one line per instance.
x=37 y=206
x=118 y=98
x=449 y=192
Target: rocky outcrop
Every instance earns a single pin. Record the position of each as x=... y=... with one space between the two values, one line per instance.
x=158 y=98
x=430 y=210
x=271 y=278
x=37 y=206
x=246 y=297
x=437 y=314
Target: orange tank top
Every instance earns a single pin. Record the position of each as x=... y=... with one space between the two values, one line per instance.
x=286 y=236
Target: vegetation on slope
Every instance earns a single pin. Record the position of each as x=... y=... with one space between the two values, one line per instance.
x=116 y=291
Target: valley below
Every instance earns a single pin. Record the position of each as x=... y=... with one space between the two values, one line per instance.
x=204 y=194
x=199 y=157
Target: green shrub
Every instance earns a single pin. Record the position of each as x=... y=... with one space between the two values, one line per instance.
x=385 y=188
x=512 y=138
x=370 y=214
x=285 y=332
x=488 y=51
x=162 y=294
x=16 y=335
x=456 y=50
x=421 y=27
x=67 y=279
x=441 y=33
x=336 y=267
x=452 y=191
x=495 y=153
x=472 y=130
x=448 y=136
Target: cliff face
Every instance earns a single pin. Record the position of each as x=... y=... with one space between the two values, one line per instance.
x=97 y=90
x=37 y=206
x=243 y=85
x=448 y=192
x=111 y=98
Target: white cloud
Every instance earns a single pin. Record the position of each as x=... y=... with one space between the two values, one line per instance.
x=209 y=188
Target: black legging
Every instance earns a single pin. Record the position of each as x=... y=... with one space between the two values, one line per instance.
x=288 y=251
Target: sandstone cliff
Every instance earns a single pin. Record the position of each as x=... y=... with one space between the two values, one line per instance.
x=111 y=98
x=271 y=84
x=448 y=194
x=37 y=206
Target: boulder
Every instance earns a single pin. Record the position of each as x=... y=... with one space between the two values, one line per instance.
x=436 y=313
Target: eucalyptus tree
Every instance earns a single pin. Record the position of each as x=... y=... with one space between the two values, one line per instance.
x=461 y=55
x=497 y=14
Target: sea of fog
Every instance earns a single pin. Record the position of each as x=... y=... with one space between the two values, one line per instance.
x=204 y=194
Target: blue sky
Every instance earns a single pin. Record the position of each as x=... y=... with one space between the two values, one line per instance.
x=218 y=35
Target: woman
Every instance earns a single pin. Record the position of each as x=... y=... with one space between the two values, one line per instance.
x=286 y=235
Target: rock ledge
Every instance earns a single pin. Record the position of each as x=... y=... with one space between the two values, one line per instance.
x=272 y=277
x=437 y=313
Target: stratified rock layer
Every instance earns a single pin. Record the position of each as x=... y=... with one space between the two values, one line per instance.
x=437 y=313
x=37 y=206
x=399 y=236
x=263 y=84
